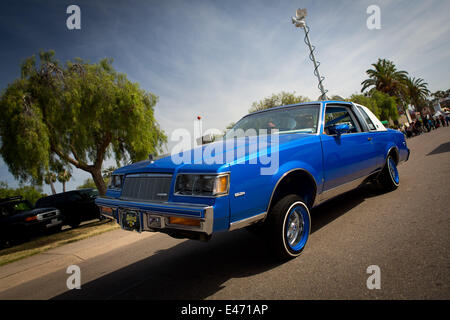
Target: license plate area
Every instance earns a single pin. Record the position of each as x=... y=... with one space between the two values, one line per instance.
x=130 y=220
x=53 y=222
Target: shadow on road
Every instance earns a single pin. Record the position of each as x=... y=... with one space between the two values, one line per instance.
x=196 y=270
x=445 y=147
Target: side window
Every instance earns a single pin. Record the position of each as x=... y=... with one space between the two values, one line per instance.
x=22 y=206
x=367 y=119
x=339 y=115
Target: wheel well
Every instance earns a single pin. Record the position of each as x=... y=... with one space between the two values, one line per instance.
x=296 y=182
x=394 y=153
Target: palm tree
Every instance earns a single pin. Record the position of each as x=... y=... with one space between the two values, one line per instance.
x=386 y=78
x=440 y=94
x=108 y=171
x=63 y=177
x=418 y=92
x=50 y=178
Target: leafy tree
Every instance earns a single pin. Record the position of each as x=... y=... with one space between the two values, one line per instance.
x=440 y=94
x=50 y=178
x=64 y=177
x=75 y=114
x=231 y=125
x=108 y=171
x=337 y=97
x=418 y=92
x=30 y=193
x=386 y=78
x=88 y=183
x=276 y=100
x=386 y=104
x=366 y=101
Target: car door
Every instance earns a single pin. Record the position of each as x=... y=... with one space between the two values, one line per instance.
x=348 y=157
x=87 y=201
x=75 y=200
x=372 y=131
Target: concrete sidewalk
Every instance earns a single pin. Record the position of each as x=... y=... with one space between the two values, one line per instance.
x=28 y=269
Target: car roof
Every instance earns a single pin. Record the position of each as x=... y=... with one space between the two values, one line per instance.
x=300 y=104
x=69 y=192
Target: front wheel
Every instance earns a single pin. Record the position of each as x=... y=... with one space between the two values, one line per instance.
x=389 y=178
x=290 y=224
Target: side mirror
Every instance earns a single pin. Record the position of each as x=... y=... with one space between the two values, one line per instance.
x=340 y=129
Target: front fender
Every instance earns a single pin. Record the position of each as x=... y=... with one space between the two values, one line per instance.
x=315 y=173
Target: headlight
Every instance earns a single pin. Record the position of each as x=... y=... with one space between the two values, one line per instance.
x=202 y=184
x=115 y=182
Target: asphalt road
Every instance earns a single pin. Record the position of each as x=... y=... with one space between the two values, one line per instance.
x=405 y=232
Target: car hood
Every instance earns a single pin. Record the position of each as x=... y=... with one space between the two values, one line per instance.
x=32 y=212
x=243 y=150
x=41 y=210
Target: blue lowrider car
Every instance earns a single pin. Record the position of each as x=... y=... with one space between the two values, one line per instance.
x=284 y=161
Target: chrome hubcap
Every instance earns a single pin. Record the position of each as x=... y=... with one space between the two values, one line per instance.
x=295 y=227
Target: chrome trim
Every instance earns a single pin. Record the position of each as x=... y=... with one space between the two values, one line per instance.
x=321 y=119
x=284 y=175
x=206 y=223
x=247 y=221
x=361 y=119
x=352 y=114
x=389 y=151
x=239 y=194
x=146 y=174
x=40 y=216
x=386 y=156
x=193 y=207
x=107 y=215
x=331 y=193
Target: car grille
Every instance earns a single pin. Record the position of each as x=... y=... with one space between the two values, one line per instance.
x=49 y=215
x=146 y=187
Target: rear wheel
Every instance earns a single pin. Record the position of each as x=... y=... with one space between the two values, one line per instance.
x=389 y=178
x=289 y=225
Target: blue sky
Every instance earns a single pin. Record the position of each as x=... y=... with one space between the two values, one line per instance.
x=214 y=58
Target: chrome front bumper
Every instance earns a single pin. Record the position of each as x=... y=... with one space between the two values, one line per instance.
x=163 y=210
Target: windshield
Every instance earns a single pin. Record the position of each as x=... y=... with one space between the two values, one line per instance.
x=301 y=119
x=15 y=207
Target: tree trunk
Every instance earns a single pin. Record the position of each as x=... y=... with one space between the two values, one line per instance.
x=52 y=186
x=99 y=182
x=64 y=186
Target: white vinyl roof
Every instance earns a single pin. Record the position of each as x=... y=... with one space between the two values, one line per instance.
x=378 y=125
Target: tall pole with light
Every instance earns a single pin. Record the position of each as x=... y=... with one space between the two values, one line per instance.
x=299 y=22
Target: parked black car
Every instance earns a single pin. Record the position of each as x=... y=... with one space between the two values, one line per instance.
x=75 y=206
x=19 y=220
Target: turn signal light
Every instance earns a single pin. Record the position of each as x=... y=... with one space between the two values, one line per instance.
x=107 y=210
x=31 y=218
x=221 y=184
x=184 y=221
